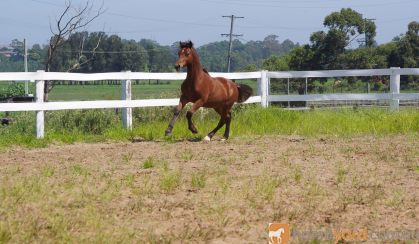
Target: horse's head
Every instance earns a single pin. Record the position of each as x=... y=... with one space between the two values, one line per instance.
x=185 y=55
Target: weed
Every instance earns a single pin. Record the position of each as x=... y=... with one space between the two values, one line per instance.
x=187 y=155
x=47 y=171
x=149 y=163
x=169 y=180
x=129 y=180
x=341 y=173
x=5 y=233
x=199 y=179
x=396 y=199
x=223 y=183
x=298 y=174
x=266 y=187
x=127 y=157
x=79 y=170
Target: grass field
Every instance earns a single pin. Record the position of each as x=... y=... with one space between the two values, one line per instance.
x=248 y=121
x=143 y=90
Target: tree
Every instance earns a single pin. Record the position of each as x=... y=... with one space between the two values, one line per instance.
x=134 y=57
x=70 y=20
x=327 y=47
x=406 y=53
x=160 y=58
x=276 y=63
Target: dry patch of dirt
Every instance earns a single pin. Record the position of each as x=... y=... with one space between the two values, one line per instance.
x=217 y=192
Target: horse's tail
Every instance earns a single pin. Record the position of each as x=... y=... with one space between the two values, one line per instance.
x=245 y=92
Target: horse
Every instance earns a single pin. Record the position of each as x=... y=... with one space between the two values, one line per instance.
x=276 y=234
x=203 y=90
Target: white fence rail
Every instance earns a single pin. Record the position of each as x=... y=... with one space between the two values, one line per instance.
x=263 y=97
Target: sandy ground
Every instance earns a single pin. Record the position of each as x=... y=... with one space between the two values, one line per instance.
x=216 y=192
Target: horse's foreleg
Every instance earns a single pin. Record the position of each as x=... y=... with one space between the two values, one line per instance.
x=178 y=108
x=189 y=114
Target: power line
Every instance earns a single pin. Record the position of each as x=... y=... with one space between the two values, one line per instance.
x=231 y=35
x=290 y=6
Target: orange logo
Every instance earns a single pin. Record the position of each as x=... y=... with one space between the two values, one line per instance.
x=279 y=233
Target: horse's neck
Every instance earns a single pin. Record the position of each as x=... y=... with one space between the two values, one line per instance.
x=195 y=68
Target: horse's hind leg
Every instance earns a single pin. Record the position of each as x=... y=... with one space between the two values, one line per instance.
x=228 y=121
x=189 y=114
x=221 y=123
x=212 y=133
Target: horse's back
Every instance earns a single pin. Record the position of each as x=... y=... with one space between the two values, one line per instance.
x=223 y=90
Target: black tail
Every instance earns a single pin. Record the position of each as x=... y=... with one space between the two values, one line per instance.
x=245 y=92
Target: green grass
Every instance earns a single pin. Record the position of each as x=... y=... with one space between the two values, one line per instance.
x=88 y=92
x=149 y=163
x=113 y=92
x=248 y=120
x=144 y=90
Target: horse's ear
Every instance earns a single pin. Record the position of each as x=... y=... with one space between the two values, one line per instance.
x=187 y=44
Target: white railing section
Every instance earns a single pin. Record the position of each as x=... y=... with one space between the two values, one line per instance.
x=263 y=97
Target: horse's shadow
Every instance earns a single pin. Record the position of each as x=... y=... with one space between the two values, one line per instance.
x=169 y=140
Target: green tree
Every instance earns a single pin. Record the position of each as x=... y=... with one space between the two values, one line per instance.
x=134 y=57
x=276 y=63
x=406 y=52
x=327 y=48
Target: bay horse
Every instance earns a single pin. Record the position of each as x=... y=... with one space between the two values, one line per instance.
x=203 y=90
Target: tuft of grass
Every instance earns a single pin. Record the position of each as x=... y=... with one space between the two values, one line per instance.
x=170 y=180
x=79 y=170
x=396 y=199
x=149 y=163
x=341 y=173
x=297 y=174
x=199 y=179
x=187 y=155
x=127 y=157
x=266 y=187
x=47 y=171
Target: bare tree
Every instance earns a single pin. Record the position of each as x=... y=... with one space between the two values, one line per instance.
x=71 y=20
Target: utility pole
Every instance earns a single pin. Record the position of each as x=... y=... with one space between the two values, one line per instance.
x=231 y=35
x=26 y=65
x=365 y=30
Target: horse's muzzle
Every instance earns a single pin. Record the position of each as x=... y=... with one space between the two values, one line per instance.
x=177 y=67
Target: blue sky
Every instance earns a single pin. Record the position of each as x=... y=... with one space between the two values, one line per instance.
x=168 y=21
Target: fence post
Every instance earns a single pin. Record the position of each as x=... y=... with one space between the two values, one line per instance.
x=126 y=95
x=263 y=87
x=40 y=115
x=394 y=87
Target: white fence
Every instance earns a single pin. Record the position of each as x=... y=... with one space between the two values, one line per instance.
x=263 y=97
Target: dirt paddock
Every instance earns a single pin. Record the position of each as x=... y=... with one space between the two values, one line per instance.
x=217 y=192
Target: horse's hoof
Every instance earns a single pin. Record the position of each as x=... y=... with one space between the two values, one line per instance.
x=193 y=130
x=167 y=133
x=207 y=138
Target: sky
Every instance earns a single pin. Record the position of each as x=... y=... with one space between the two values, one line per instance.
x=202 y=21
